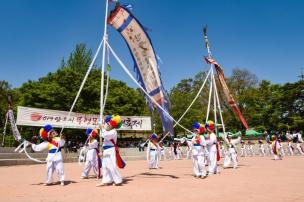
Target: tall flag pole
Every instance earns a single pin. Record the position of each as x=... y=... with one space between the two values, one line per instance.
x=221 y=77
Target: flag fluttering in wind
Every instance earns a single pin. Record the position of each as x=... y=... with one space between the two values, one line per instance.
x=145 y=59
x=228 y=95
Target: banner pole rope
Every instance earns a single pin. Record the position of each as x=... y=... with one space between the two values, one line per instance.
x=210 y=92
x=147 y=94
x=219 y=105
x=198 y=93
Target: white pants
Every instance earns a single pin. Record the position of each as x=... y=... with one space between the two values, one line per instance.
x=282 y=151
x=162 y=155
x=212 y=162
x=189 y=153
x=174 y=155
x=153 y=159
x=290 y=151
x=251 y=152
x=91 y=164
x=223 y=153
x=179 y=154
x=171 y=154
x=277 y=157
x=198 y=165
x=51 y=166
x=243 y=152
x=270 y=152
x=261 y=151
x=300 y=149
x=231 y=157
x=110 y=172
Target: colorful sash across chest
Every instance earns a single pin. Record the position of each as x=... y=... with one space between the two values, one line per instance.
x=120 y=163
x=197 y=141
x=53 y=145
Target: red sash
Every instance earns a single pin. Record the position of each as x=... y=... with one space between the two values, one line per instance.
x=53 y=142
x=218 y=156
x=154 y=143
x=275 y=148
x=120 y=163
x=99 y=162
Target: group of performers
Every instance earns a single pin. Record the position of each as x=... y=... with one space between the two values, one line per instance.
x=276 y=148
x=205 y=150
x=109 y=163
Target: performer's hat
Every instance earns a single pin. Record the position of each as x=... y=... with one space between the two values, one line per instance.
x=45 y=131
x=196 y=126
x=92 y=132
x=209 y=125
x=114 y=121
x=200 y=128
x=153 y=136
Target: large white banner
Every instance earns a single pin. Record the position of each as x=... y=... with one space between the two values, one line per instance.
x=27 y=116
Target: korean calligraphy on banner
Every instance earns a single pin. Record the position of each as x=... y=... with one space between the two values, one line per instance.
x=27 y=116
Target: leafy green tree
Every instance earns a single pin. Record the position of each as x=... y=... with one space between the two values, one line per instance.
x=5 y=89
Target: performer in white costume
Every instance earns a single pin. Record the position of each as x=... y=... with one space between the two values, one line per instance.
x=243 y=149
x=276 y=149
x=54 y=158
x=261 y=148
x=269 y=148
x=211 y=143
x=250 y=148
x=198 y=156
x=179 y=150
x=162 y=152
x=111 y=158
x=282 y=147
x=299 y=140
x=222 y=149
x=300 y=149
x=93 y=160
x=231 y=154
x=152 y=152
x=290 y=147
x=189 y=149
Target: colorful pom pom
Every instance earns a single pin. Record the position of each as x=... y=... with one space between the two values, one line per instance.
x=113 y=121
x=113 y=124
x=116 y=118
x=199 y=127
x=43 y=134
x=94 y=133
x=119 y=125
x=202 y=130
x=209 y=125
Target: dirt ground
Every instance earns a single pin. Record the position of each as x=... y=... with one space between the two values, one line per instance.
x=256 y=179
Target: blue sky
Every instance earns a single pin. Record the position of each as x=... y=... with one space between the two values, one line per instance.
x=264 y=36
